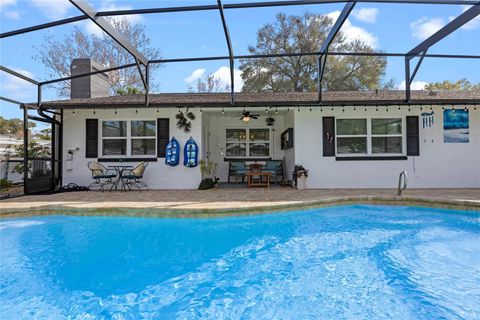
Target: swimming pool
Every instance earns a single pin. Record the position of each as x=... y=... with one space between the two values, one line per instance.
x=345 y=262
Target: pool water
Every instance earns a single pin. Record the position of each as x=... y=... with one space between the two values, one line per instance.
x=346 y=262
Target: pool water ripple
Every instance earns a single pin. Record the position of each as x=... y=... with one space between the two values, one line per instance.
x=347 y=262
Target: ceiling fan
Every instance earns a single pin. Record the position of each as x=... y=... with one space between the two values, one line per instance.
x=247 y=116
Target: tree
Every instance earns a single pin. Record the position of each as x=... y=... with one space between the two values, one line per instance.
x=306 y=33
x=127 y=91
x=462 y=84
x=44 y=134
x=57 y=54
x=13 y=126
x=209 y=83
x=35 y=150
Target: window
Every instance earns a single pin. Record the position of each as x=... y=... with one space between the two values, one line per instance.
x=143 y=137
x=351 y=136
x=387 y=135
x=369 y=136
x=247 y=142
x=114 y=135
x=129 y=138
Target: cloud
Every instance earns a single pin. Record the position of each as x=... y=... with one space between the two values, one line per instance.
x=223 y=74
x=415 y=85
x=13 y=15
x=366 y=14
x=16 y=88
x=196 y=74
x=472 y=24
x=6 y=3
x=353 y=33
x=53 y=9
x=424 y=27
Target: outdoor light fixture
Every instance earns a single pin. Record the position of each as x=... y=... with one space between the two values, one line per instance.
x=116 y=110
x=201 y=110
x=94 y=111
x=157 y=110
x=276 y=110
x=246 y=119
x=223 y=110
x=136 y=110
x=73 y=112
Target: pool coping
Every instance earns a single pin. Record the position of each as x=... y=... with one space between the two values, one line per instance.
x=64 y=209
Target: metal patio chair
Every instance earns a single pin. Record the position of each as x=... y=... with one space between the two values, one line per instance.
x=100 y=175
x=134 y=176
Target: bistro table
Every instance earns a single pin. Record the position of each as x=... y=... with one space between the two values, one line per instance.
x=120 y=169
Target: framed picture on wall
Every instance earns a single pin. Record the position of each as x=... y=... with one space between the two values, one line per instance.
x=286 y=139
x=455 y=126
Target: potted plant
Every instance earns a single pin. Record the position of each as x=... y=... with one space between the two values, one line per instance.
x=209 y=180
x=270 y=121
x=300 y=175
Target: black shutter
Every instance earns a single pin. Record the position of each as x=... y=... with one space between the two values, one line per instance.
x=328 y=136
x=413 y=139
x=163 y=135
x=91 y=145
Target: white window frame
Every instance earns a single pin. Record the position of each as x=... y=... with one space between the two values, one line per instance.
x=248 y=142
x=128 y=138
x=369 y=137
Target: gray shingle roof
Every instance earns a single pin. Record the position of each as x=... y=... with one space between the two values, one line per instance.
x=270 y=98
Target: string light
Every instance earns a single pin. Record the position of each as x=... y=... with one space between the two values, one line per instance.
x=266 y=110
x=276 y=110
x=443 y=108
x=453 y=108
x=223 y=110
x=465 y=109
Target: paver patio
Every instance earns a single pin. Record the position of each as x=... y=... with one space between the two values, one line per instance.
x=233 y=200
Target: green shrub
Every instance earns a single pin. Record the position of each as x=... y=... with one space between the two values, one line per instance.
x=5 y=184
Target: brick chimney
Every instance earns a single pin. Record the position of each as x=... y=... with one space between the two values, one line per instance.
x=94 y=86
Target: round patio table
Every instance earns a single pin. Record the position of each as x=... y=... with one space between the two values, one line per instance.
x=120 y=169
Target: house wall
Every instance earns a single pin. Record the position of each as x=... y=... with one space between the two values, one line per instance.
x=216 y=124
x=157 y=175
x=440 y=165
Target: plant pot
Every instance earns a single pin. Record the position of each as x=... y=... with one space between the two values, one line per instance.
x=302 y=182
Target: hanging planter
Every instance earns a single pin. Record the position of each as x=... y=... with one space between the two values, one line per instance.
x=183 y=120
x=270 y=121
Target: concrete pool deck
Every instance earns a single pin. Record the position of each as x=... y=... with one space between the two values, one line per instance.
x=229 y=201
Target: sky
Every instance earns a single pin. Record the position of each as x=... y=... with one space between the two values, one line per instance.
x=386 y=27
